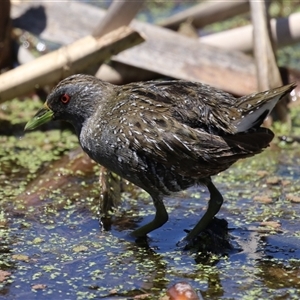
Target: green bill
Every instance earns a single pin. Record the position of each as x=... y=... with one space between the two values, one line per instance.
x=44 y=115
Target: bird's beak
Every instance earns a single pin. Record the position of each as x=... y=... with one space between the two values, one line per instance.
x=44 y=115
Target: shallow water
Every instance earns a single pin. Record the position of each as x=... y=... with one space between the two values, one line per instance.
x=55 y=249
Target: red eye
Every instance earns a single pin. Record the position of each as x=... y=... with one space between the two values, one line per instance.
x=65 y=98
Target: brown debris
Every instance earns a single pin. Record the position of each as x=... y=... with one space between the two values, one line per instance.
x=263 y=199
x=182 y=291
x=4 y=275
x=271 y=224
x=273 y=180
x=39 y=286
x=21 y=257
x=293 y=198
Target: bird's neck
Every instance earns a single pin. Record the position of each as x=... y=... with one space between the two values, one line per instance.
x=81 y=116
x=78 y=127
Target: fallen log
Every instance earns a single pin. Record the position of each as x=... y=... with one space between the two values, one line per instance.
x=70 y=59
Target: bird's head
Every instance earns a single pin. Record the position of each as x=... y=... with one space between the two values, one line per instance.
x=73 y=100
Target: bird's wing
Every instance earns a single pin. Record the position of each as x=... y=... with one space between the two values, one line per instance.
x=188 y=151
x=192 y=103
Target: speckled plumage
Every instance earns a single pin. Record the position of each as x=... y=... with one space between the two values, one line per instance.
x=164 y=136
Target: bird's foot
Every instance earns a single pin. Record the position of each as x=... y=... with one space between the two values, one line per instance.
x=185 y=244
x=214 y=238
x=142 y=241
x=105 y=223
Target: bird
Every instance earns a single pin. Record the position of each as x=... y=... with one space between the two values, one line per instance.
x=163 y=135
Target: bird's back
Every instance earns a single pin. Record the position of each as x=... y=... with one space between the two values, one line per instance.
x=204 y=107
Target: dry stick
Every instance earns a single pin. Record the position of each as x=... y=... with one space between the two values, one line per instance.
x=65 y=61
x=268 y=75
x=266 y=67
x=207 y=13
x=120 y=13
x=285 y=31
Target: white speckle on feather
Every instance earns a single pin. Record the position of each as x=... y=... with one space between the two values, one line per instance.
x=136 y=132
x=179 y=140
x=166 y=143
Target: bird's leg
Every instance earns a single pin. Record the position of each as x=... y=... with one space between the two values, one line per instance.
x=214 y=205
x=110 y=196
x=161 y=217
x=103 y=219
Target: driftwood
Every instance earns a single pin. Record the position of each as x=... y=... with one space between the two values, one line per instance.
x=285 y=31
x=164 y=52
x=67 y=60
x=206 y=13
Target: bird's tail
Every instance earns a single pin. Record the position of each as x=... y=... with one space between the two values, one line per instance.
x=256 y=108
